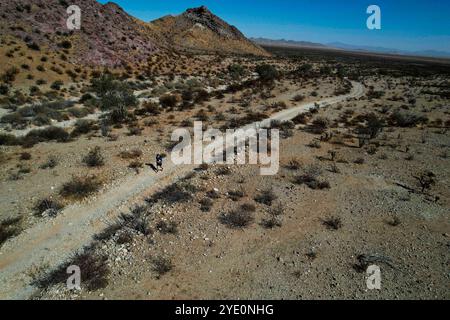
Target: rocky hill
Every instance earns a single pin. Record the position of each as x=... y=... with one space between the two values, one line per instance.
x=199 y=29
x=108 y=35
x=111 y=37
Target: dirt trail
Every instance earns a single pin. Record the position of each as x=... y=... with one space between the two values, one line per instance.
x=52 y=242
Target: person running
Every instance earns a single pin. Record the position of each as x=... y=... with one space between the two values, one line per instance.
x=159 y=162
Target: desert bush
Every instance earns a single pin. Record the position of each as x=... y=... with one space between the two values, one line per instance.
x=135 y=165
x=48 y=205
x=236 y=71
x=394 y=222
x=51 y=163
x=161 y=266
x=249 y=207
x=113 y=94
x=94 y=158
x=82 y=126
x=9 y=75
x=310 y=178
x=206 y=204
x=137 y=220
x=267 y=72
x=4 y=89
x=8 y=140
x=94 y=267
x=235 y=195
x=167 y=227
x=57 y=85
x=175 y=193
x=78 y=112
x=333 y=223
x=372 y=149
x=125 y=236
x=426 y=179
x=80 y=187
x=237 y=219
x=201 y=115
x=9 y=228
x=298 y=98
x=275 y=216
x=334 y=168
x=223 y=171
x=168 y=101
x=213 y=194
x=134 y=130
x=34 y=46
x=66 y=44
x=319 y=125
x=118 y=115
x=266 y=197
x=42 y=135
x=302 y=118
x=293 y=164
x=405 y=119
x=373 y=125
x=15 y=119
x=25 y=156
x=131 y=154
x=202 y=96
x=314 y=144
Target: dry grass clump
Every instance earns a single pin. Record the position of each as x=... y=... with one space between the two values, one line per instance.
x=266 y=197
x=206 y=204
x=25 y=156
x=333 y=223
x=235 y=195
x=94 y=270
x=94 y=158
x=80 y=187
x=275 y=216
x=167 y=227
x=131 y=154
x=49 y=206
x=9 y=228
x=161 y=266
x=293 y=164
x=237 y=219
x=311 y=178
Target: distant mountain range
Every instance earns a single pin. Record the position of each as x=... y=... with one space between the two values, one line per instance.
x=349 y=47
x=287 y=43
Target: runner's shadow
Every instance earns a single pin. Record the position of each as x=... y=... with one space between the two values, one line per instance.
x=151 y=165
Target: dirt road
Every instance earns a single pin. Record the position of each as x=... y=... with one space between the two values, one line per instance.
x=48 y=244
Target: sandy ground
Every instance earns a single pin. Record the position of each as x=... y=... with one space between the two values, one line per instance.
x=61 y=237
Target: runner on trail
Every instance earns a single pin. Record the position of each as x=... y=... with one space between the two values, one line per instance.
x=159 y=162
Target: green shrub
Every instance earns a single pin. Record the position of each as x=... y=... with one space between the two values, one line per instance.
x=82 y=126
x=406 y=119
x=42 y=135
x=8 y=140
x=267 y=72
x=168 y=101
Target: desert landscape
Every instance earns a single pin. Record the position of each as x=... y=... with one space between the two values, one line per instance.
x=363 y=179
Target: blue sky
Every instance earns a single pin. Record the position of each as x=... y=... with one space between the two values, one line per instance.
x=407 y=25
